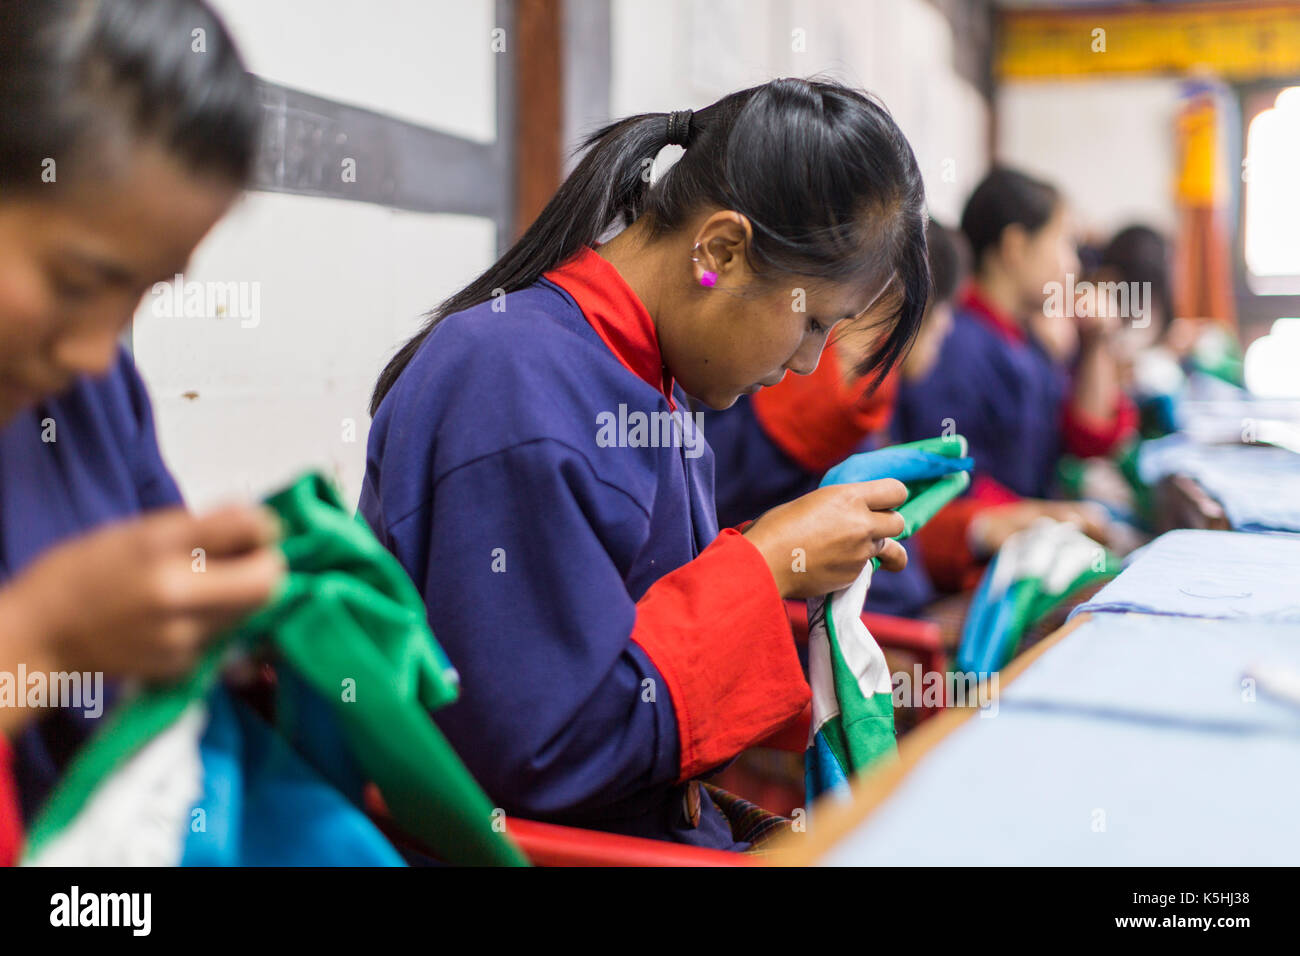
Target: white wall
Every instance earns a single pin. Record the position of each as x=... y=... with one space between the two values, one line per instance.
x=242 y=410
x=684 y=54
x=1108 y=143
x=421 y=60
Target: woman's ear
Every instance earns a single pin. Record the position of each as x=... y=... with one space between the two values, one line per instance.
x=720 y=244
x=1012 y=245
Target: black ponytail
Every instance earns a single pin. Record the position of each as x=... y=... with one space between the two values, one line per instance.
x=823 y=174
x=80 y=80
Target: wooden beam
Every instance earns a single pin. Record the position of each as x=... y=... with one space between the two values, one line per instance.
x=539 y=107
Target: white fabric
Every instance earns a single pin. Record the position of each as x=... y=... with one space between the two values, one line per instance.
x=861 y=654
x=141 y=814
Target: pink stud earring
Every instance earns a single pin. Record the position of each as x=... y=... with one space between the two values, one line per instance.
x=707 y=279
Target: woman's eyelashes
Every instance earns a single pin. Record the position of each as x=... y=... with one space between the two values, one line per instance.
x=73 y=291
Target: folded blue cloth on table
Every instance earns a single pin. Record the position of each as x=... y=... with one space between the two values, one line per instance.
x=1052 y=789
x=1258 y=485
x=1163 y=670
x=1213 y=574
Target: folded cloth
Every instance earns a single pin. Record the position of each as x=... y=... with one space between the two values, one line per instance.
x=350 y=627
x=1033 y=572
x=1258 y=485
x=1214 y=574
x=852 y=700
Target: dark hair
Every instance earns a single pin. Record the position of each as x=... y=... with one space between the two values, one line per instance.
x=1005 y=198
x=82 y=77
x=822 y=172
x=1140 y=254
x=948 y=260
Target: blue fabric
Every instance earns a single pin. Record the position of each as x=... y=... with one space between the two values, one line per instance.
x=994 y=635
x=103 y=465
x=1027 y=787
x=904 y=593
x=1258 y=485
x=1212 y=574
x=1142 y=718
x=1189 y=671
x=823 y=773
x=263 y=806
x=1005 y=397
x=978 y=627
x=507 y=466
x=905 y=464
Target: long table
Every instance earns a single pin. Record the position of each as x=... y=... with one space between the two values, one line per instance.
x=1146 y=731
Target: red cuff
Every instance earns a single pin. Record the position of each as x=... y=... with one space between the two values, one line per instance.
x=1088 y=436
x=716 y=629
x=793 y=737
x=11 y=826
x=819 y=419
x=945 y=539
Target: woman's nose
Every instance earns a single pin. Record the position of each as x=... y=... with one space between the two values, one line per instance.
x=88 y=352
x=804 y=361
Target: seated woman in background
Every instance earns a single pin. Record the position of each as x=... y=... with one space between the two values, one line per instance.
x=613 y=647
x=1020 y=376
x=1159 y=350
x=776 y=445
x=119 y=149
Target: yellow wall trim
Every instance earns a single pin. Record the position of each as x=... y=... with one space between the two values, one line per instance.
x=1237 y=41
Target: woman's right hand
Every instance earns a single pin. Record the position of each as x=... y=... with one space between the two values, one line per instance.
x=990 y=528
x=820 y=543
x=142 y=597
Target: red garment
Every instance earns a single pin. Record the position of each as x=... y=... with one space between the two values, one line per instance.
x=973 y=301
x=729 y=661
x=715 y=628
x=1087 y=436
x=618 y=316
x=819 y=419
x=11 y=826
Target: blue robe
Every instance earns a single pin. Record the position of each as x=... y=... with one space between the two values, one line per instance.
x=1005 y=394
x=102 y=465
x=612 y=645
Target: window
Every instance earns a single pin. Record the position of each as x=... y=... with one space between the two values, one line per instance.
x=1271 y=240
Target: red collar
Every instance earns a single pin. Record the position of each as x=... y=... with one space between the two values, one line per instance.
x=974 y=302
x=618 y=316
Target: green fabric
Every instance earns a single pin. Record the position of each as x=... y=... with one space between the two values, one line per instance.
x=853 y=713
x=864 y=732
x=927 y=497
x=1032 y=602
x=1071 y=472
x=347 y=613
x=1220 y=356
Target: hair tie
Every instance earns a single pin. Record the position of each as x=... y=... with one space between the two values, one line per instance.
x=679 y=128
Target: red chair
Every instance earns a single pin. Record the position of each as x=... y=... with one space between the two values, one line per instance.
x=550 y=844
